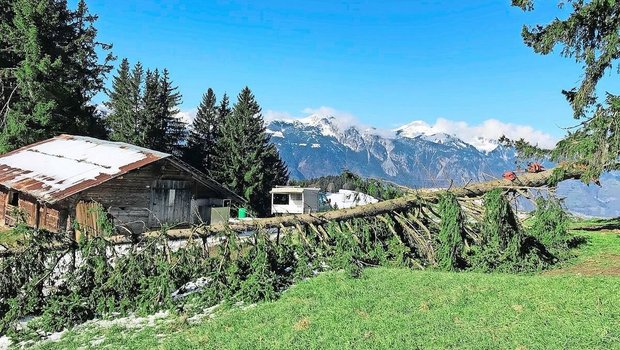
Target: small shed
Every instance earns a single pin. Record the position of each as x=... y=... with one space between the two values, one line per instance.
x=56 y=184
x=295 y=200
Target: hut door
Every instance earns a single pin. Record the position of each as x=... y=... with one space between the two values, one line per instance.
x=87 y=219
x=170 y=202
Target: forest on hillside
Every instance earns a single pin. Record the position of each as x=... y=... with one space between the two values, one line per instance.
x=49 y=75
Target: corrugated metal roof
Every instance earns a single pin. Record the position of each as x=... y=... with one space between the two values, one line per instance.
x=62 y=166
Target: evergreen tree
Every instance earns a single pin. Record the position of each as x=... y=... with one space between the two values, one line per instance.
x=202 y=137
x=245 y=160
x=174 y=129
x=135 y=121
x=126 y=105
x=151 y=131
x=144 y=110
x=121 y=119
x=50 y=71
x=591 y=36
x=224 y=110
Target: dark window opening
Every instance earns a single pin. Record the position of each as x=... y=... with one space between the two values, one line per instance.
x=280 y=198
x=13 y=198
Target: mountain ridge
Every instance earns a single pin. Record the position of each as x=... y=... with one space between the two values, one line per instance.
x=414 y=155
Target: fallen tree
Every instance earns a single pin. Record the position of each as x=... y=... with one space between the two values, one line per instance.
x=425 y=229
x=414 y=198
x=420 y=203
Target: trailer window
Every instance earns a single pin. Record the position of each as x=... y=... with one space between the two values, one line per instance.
x=280 y=198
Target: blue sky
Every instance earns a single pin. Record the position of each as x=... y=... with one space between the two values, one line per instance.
x=386 y=63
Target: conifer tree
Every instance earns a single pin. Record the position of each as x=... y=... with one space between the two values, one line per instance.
x=245 y=160
x=50 y=71
x=121 y=120
x=224 y=109
x=202 y=137
x=144 y=108
x=590 y=35
x=151 y=133
x=174 y=129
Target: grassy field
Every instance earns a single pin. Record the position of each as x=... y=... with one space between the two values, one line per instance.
x=577 y=306
x=9 y=238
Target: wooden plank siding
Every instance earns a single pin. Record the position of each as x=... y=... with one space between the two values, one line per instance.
x=171 y=202
x=140 y=199
x=137 y=201
x=28 y=209
x=3 y=198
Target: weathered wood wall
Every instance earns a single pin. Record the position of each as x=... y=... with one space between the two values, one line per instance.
x=137 y=201
x=140 y=199
x=33 y=213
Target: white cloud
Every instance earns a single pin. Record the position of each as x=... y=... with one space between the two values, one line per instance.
x=493 y=129
x=343 y=120
x=271 y=115
x=474 y=134
x=187 y=116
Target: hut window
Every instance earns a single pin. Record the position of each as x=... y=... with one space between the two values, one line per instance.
x=13 y=198
x=280 y=198
x=296 y=197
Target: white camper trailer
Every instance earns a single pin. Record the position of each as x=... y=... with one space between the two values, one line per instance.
x=295 y=200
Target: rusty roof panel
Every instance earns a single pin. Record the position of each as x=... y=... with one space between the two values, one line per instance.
x=57 y=168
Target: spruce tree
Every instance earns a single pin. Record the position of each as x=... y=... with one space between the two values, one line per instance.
x=126 y=103
x=121 y=119
x=50 y=71
x=152 y=131
x=144 y=108
x=224 y=108
x=202 y=137
x=174 y=129
x=245 y=160
x=590 y=35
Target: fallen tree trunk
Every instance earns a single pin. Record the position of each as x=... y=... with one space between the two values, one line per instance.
x=609 y=224
x=417 y=197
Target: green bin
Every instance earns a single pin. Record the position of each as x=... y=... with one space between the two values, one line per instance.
x=242 y=213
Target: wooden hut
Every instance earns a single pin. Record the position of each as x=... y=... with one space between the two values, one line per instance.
x=57 y=184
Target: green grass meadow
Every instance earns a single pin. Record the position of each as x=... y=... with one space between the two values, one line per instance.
x=390 y=308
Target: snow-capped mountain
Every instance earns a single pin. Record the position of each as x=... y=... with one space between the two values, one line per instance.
x=413 y=155
x=422 y=129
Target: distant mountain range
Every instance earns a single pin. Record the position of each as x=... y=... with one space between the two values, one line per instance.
x=413 y=155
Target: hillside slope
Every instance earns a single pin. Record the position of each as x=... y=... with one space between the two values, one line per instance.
x=577 y=307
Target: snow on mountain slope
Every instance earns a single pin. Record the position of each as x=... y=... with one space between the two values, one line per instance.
x=416 y=156
x=417 y=160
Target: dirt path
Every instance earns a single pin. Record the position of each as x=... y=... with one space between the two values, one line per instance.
x=604 y=260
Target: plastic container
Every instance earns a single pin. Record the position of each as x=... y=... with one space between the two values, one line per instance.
x=242 y=213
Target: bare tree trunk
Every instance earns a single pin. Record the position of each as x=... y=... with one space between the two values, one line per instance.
x=417 y=197
x=422 y=197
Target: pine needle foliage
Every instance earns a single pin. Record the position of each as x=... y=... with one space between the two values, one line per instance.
x=502 y=237
x=143 y=109
x=549 y=224
x=590 y=35
x=203 y=133
x=94 y=282
x=451 y=233
x=244 y=158
x=51 y=67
